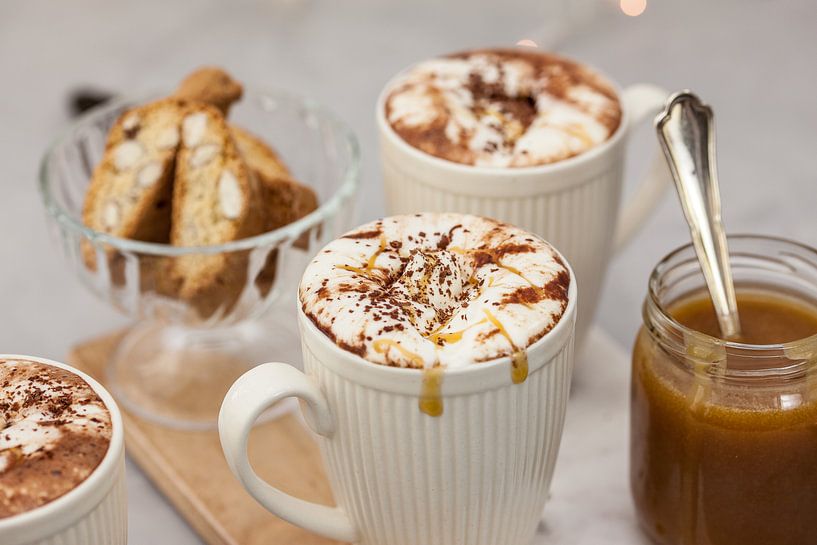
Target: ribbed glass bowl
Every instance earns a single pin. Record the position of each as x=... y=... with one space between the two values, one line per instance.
x=176 y=363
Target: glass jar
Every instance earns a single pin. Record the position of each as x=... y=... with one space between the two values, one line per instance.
x=723 y=434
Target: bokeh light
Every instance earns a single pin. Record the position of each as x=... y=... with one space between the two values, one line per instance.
x=526 y=43
x=633 y=8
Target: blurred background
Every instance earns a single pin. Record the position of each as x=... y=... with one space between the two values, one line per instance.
x=752 y=60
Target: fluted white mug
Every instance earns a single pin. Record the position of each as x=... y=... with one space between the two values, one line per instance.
x=476 y=475
x=95 y=511
x=573 y=203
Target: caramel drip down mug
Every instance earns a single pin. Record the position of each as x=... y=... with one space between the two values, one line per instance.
x=478 y=474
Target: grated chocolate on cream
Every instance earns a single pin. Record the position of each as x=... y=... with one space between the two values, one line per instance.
x=435 y=289
x=54 y=431
x=502 y=108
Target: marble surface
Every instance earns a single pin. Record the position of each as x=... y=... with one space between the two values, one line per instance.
x=590 y=495
x=751 y=59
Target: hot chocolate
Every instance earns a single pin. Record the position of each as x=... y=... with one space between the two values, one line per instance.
x=436 y=290
x=502 y=107
x=54 y=431
x=428 y=300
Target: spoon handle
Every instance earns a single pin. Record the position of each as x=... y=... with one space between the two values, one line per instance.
x=686 y=131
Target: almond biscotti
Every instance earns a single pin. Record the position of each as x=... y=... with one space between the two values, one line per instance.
x=211 y=85
x=175 y=172
x=260 y=157
x=215 y=200
x=284 y=201
x=130 y=190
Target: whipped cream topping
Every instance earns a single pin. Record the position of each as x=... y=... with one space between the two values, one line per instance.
x=435 y=289
x=39 y=406
x=502 y=108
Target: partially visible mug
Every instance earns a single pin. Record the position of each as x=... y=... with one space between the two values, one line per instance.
x=458 y=455
x=94 y=512
x=572 y=203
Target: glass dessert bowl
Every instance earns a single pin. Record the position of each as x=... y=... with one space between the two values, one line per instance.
x=174 y=365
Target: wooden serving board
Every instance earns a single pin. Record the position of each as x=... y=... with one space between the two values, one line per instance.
x=189 y=468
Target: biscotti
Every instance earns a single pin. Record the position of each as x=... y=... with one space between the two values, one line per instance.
x=130 y=190
x=210 y=85
x=259 y=155
x=284 y=201
x=177 y=172
x=215 y=200
x=284 y=198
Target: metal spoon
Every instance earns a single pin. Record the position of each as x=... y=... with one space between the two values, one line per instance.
x=686 y=130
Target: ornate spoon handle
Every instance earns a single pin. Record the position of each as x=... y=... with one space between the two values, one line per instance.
x=686 y=131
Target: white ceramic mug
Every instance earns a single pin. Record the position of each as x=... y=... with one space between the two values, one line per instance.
x=573 y=203
x=95 y=511
x=476 y=475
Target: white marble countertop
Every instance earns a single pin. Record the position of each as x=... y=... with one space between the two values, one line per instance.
x=590 y=495
x=751 y=59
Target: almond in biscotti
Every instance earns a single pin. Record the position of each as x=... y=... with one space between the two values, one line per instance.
x=215 y=200
x=214 y=86
x=130 y=189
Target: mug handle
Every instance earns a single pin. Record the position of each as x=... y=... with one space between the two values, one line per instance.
x=643 y=101
x=253 y=393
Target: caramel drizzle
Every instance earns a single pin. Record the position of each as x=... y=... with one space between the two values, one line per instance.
x=370 y=264
x=497 y=262
x=579 y=132
x=356 y=270
x=382 y=346
x=519 y=358
x=451 y=337
x=517 y=272
x=509 y=268
x=431 y=399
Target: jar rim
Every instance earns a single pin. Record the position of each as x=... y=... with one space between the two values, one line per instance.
x=658 y=320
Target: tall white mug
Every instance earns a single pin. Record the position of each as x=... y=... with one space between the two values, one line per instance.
x=573 y=204
x=476 y=475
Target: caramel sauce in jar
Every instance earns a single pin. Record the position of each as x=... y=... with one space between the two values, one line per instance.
x=724 y=435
